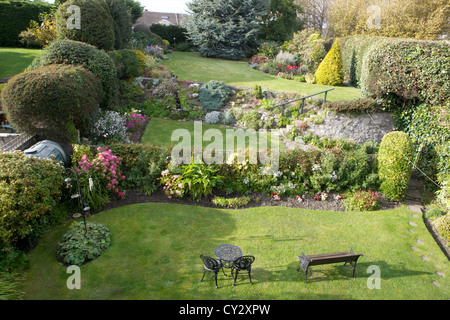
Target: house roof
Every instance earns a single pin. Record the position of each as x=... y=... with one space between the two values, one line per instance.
x=148 y=18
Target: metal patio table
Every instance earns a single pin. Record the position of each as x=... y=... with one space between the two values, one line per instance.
x=228 y=253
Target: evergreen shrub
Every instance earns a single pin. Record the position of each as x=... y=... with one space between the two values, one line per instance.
x=330 y=71
x=96 y=23
x=395 y=158
x=87 y=56
x=213 y=95
x=52 y=100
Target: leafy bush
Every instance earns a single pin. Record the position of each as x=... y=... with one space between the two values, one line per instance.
x=362 y=201
x=143 y=164
x=213 y=95
x=29 y=189
x=51 y=99
x=433 y=211
x=309 y=45
x=228 y=118
x=442 y=225
x=329 y=71
x=193 y=180
x=96 y=21
x=79 y=246
x=212 y=117
x=126 y=62
x=17 y=16
x=85 y=55
x=395 y=159
x=231 y=202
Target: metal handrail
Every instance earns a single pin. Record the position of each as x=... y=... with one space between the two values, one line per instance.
x=303 y=99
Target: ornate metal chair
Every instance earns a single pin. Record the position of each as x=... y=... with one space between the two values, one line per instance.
x=212 y=265
x=241 y=264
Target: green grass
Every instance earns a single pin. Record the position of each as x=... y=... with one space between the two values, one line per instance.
x=156 y=247
x=191 y=66
x=159 y=132
x=16 y=60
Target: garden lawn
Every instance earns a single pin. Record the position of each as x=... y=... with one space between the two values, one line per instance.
x=190 y=66
x=158 y=132
x=156 y=248
x=16 y=60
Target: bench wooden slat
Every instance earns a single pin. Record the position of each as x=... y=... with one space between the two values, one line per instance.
x=327 y=258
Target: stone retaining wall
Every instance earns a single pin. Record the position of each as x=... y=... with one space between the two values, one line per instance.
x=356 y=128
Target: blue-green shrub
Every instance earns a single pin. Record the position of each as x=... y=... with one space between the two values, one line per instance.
x=213 y=95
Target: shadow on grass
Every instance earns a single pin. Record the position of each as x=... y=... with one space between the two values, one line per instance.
x=331 y=272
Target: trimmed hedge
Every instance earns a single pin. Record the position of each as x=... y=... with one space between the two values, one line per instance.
x=395 y=159
x=87 y=56
x=52 y=101
x=97 y=24
x=408 y=71
x=398 y=71
x=16 y=17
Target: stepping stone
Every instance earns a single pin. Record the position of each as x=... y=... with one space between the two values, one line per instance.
x=413 y=194
x=435 y=283
x=440 y=274
x=412 y=224
x=414 y=248
x=419 y=241
x=425 y=258
x=410 y=230
x=414 y=215
x=417 y=208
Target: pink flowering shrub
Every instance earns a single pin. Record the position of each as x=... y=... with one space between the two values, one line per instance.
x=136 y=120
x=172 y=185
x=104 y=169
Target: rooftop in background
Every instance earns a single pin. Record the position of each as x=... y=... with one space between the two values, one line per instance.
x=166 y=18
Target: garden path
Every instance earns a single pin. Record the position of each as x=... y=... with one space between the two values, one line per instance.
x=414 y=202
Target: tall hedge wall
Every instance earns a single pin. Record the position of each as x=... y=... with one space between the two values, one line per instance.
x=15 y=16
x=398 y=70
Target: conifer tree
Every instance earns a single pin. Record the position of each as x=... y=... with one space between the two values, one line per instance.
x=330 y=70
x=225 y=28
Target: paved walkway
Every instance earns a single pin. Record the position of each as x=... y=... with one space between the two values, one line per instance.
x=413 y=200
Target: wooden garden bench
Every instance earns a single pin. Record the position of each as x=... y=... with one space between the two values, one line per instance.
x=327 y=258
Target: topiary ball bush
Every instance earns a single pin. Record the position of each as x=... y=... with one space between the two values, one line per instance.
x=330 y=70
x=79 y=246
x=96 y=23
x=213 y=95
x=88 y=56
x=52 y=101
x=395 y=161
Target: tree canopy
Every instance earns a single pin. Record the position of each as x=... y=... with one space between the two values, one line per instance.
x=416 y=19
